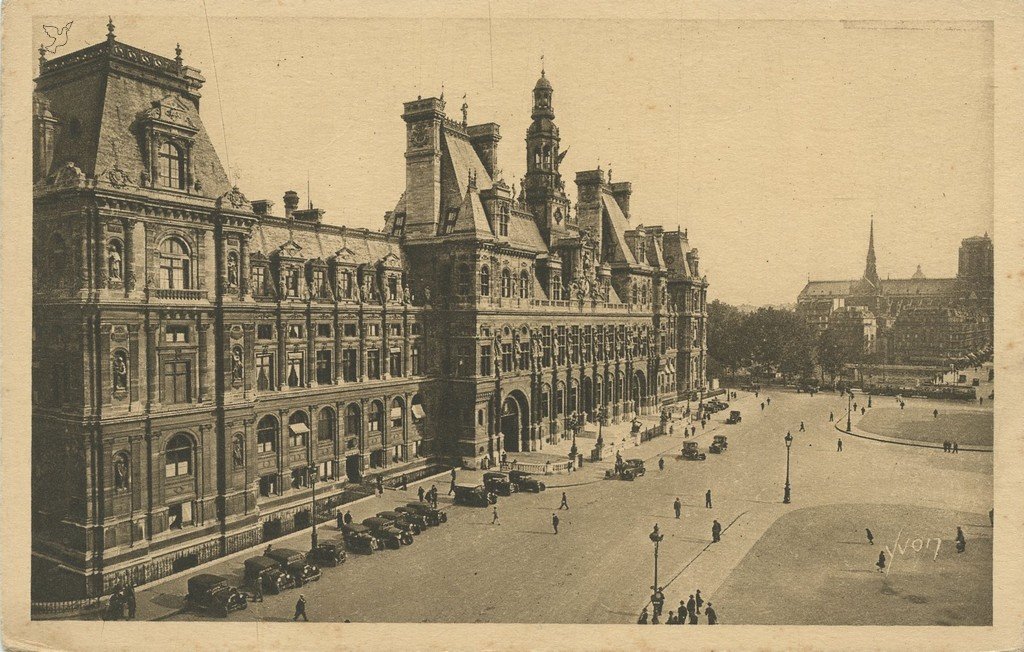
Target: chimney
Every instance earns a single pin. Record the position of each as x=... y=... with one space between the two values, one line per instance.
x=484 y=139
x=621 y=190
x=291 y=202
x=262 y=206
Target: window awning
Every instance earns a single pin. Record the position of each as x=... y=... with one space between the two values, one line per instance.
x=396 y=413
x=298 y=428
x=417 y=411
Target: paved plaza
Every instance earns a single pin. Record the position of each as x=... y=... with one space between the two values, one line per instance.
x=805 y=562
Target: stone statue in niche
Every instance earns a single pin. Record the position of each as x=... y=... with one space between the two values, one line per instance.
x=121 y=472
x=114 y=264
x=236 y=365
x=238 y=451
x=119 y=367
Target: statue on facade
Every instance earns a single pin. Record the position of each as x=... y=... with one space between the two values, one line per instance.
x=236 y=365
x=120 y=370
x=238 y=451
x=121 y=472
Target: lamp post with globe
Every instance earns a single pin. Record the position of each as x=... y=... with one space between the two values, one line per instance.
x=789 y=443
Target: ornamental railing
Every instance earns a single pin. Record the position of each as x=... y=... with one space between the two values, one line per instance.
x=178 y=295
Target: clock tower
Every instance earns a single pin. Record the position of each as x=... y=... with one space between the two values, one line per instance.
x=543 y=185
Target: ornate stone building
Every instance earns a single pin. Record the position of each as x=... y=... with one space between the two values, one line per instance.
x=915 y=321
x=199 y=360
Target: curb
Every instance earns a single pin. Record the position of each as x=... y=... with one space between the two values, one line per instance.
x=908 y=442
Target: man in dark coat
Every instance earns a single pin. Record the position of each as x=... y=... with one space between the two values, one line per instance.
x=661 y=463
x=565 y=501
x=881 y=561
x=802 y=426
x=678 y=506
x=716 y=532
x=712 y=615
x=130 y=601
x=839 y=445
x=300 y=609
x=691 y=608
x=871 y=537
x=421 y=493
x=961 y=541
x=682 y=612
x=658 y=600
x=554 y=522
x=642 y=620
x=700 y=602
x=956 y=447
x=348 y=518
x=831 y=417
x=707 y=499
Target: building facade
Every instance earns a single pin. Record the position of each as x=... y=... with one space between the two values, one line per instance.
x=916 y=321
x=200 y=360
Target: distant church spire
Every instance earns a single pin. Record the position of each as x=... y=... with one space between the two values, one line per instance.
x=871 y=270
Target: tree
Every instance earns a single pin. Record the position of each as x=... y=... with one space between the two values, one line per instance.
x=726 y=345
x=779 y=341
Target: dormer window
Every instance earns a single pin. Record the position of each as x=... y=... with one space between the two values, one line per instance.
x=503 y=219
x=292 y=282
x=171 y=167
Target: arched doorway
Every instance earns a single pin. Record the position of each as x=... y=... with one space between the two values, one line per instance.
x=515 y=423
x=639 y=390
x=587 y=398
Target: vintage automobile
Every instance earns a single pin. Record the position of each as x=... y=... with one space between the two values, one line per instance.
x=327 y=553
x=402 y=522
x=523 y=481
x=213 y=594
x=691 y=452
x=267 y=572
x=434 y=516
x=386 y=531
x=474 y=496
x=295 y=563
x=499 y=483
x=416 y=517
x=358 y=538
x=633 y=469
x=714 y=405
x=734 y=417
x=719 y=444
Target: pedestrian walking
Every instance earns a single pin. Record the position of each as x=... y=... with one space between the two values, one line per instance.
x=554 y=522
x=341 y=519
x=716 y=532
x=420 y=492
x=862 y=410
x=672 y=620
x=961 y=541
x=130 y=601
x=671 y=428
x=682 y=612
x=433 y=494
x=839 y=445
x=495 y=519
x=700 y=602
x=712 y=615
x=762 y=406
x=801 y=426
x=642 y=620
x=831 y=417
x=956 y=447
x=707 y=499
x=348 y=518
x=405 y=483
x=300 y=609
x=703 y=423
x=565 y=502
x=935 y=413
x=451 y=489
x=691 y=608
x=380 y=486
x=661 y=463
x=881 y=561
x=769 y=399
x=678 y=506
x=871 y=537
x=945 y=446
x=855 y=406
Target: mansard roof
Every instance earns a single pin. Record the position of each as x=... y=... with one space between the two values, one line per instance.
x=322 y=241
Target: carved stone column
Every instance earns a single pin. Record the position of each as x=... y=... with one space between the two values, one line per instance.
x=244 y=272
x=128 y=259
x=206 y=361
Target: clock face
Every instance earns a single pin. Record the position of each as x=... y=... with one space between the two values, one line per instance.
x=419 y=135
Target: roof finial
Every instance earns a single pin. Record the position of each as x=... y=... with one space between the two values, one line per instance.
x=542 y=65
x=177 y=54
x=110 y=28
x=442 y=91
x=42 y=56
x=465 y=111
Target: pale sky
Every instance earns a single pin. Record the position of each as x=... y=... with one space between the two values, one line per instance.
x=773 y=142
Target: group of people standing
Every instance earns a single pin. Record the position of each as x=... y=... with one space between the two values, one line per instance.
x=950 y=447
x=122 y=600
x=688 y=612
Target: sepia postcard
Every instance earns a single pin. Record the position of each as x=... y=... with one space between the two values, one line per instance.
x=512 y=325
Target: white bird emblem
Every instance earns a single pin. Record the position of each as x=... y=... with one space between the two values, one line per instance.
x=59 y=36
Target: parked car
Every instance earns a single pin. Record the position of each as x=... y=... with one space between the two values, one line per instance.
x=523 y=481
x=268 y=574
x=213 y=594
x=295 y=563
x=434 y=516
x=714 y=405
x=632 y=469
x=734 y=417
x=691 y=452
x=386 y=531
x=327 y=553
x=498 y=482
x=401 y=521
x=474 y=496
x=359 y=538
x=719 y=444
x=416 y=517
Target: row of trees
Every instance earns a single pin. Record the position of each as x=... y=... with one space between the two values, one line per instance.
x=772 y=340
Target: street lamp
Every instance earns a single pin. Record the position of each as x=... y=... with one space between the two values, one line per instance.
x=575 y=425
x=789 y=443
x=849 y=407
x=602 y=414
x=656 y=537
x=314 y=471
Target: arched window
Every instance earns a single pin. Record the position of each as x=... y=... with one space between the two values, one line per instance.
x=397 y=413
x=298 y=428
x=353 y=420
x=266 y=435
x=506 y=283
x=172 y=167
x=376 y=416
x=174 y=265
x=524 y=285
x=178 y=456
x=537 y=156
x=114 y=260
x=232 y=269
x=485 y=281
x=463 y=279
x=325 y=425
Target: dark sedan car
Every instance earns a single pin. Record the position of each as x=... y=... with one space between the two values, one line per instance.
x=385 y=531
x=415 y=517
x=213 y=594
x=295 y=563
x=327 y=553
x=526 y=482
x=359 y=538
x=401 y=521
x=434 y=516
x=268 y=574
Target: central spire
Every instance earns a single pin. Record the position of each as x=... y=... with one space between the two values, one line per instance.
x=871 y=269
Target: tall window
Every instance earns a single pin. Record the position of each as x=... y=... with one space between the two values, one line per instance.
x=524 y=348
x=264 y=371
x=503 y=219
x=349 y=365
x=485 y=360
x=319 y=283
x=485 y=281
x=463 y=279
x=376 y=416
x=266 y=435
x=177 y=381
x=373 y=364
x=178 y=457
x=353 y=420
x=296 y=372
x=415 y=360
x=395 y=362
x=345 y=285
x=172 y=167
x=259 y=279
x=392 y=288
x=556 y=288
x=174 y=264
x=292 y=282
x=325 y=425
x=397 y=413
x=324 y=371
x=506 y=350
x=506 y=283
x=298 y=429
x=524 y=285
